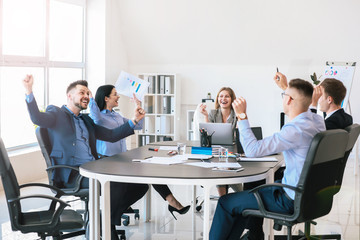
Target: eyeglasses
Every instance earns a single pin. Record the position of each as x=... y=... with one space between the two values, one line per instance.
x=283 y=93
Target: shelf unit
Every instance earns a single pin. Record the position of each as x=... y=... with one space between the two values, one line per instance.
x=162 y=108
x=190 y=125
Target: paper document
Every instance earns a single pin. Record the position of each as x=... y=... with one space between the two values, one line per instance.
x=262 y=159
x=162 y=160
x=197 y=156
x=168 y=148
x=128 y=84
x=215 y=164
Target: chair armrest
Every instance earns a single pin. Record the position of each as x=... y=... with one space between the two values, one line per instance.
x=57 y=212
x=79 y=178
x=63 y=166
x=59 y=192
x=296 y=189
x=261 y=203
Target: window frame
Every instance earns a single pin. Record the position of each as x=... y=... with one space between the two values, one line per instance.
x=44 y=61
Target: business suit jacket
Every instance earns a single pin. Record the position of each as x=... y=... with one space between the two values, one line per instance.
x=62 y=134
x=338 y=120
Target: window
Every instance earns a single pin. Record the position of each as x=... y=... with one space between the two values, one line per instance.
x=44 y=38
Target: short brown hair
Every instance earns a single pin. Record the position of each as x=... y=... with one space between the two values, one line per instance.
x=231 y=93
x=335 y=89
x=73 y=85
x=304 y=87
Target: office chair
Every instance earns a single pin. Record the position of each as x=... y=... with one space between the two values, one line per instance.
x=52 y=222
x=316 y=187
x=45 y=146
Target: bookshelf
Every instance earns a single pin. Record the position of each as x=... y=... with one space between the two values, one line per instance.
x=190 y=125
x=162 y=107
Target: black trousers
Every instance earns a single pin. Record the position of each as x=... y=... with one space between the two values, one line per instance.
x=163 y=190
x=122 y=195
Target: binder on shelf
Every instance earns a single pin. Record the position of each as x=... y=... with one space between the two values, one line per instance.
x=147 y=140
x=157 y=125
x=161 y=84
x=151 y=88
x=165 y=125
x=146 y=125
x=160 y=138
x=167 y=85
x=172 y=105
x=149 y=125
x=166 y=105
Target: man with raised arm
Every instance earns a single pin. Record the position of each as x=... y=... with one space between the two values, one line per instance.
x=293 y=141
x=73 y=138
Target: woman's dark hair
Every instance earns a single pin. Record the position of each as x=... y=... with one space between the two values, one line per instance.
x=101 y=93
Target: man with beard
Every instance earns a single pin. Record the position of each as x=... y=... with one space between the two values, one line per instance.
x=73 y=137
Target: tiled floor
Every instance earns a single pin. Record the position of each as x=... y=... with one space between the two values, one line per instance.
x=344 y=217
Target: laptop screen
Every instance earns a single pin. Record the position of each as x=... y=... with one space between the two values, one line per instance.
x=222 y=132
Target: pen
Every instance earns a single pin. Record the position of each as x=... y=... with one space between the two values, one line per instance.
x=153 y=149
x=277 y=70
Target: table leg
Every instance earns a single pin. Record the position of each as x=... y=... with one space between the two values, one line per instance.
x=206 y=228
x=147 y=205
x=105 y=199
x=193 y=211
x=268 y=224
x=93 y=220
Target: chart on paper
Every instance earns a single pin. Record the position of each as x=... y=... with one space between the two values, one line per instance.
x=128 y=84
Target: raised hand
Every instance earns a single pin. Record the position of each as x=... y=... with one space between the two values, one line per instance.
x=281 y=80
x=239 y=105
x=203 y=110
x=28 y=83
x=316 y=95
x=136 y=100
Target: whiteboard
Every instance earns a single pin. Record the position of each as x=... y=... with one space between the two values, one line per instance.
x=343 y=71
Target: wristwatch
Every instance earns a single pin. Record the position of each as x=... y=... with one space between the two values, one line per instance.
x=241 y=116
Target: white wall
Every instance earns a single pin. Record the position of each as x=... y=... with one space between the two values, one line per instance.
x=239 y=43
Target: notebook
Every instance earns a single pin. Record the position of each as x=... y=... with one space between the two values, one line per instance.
x=223 y=133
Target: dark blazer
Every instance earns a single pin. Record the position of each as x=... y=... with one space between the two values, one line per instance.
x=62 y=134
x=338 y=120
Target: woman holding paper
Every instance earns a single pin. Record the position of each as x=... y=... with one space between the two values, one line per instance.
x=102 y=112
x=223 y=113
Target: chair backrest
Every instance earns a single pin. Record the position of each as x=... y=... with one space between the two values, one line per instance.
x=45 y=147
x=354 y=131
x=319 y=175
x=11 y=187
x=257 y=132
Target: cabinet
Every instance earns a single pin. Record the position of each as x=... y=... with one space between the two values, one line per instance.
x=162 y=108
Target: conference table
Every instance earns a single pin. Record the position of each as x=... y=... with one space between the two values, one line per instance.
x=122 y=168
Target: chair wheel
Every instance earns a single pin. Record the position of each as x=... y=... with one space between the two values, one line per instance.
x=137 y=216
x=126 y=222
x=198 y=208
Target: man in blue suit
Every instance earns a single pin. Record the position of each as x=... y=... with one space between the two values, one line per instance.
x=73 y=138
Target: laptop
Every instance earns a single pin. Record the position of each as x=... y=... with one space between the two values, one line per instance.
x=257 y=132
x=223 y=133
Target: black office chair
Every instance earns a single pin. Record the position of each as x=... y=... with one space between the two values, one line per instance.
x=51 y=222
x=354 y=131
x=316 y=187
x=45 y=146
x=83 y=194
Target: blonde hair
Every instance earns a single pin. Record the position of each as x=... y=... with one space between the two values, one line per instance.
x=231 y=93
